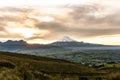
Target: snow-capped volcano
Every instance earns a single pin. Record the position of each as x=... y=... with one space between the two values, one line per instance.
x=66 y=39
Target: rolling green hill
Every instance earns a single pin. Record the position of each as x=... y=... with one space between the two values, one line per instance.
x=15 y=66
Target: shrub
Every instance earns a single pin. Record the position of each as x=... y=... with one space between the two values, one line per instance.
x=114 y=76
x=7 y=65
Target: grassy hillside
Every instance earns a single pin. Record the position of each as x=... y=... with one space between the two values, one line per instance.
x=15 y=66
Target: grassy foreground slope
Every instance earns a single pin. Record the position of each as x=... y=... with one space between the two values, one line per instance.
x=15 y=66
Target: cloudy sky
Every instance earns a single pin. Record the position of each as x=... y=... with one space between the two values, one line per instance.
x=45 y=21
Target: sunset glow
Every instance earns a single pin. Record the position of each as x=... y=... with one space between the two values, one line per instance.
x=23 y=31
x=45 y=21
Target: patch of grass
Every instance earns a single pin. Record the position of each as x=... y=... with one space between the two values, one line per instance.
x=28 y=67
x=114 y=76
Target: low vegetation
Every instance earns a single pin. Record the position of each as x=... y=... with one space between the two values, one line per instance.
x=15 y=66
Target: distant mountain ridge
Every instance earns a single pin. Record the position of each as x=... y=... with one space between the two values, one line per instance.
x=65 y=48
x=66 y=43
x=69 y=42
x=12 y=45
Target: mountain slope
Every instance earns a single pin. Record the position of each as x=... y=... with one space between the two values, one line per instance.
x=43 y=63
x=15 y=66
x=62 y=44
x=69 y=42
x=66 y=42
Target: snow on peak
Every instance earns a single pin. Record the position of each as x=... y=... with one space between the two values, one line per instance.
x=66 y=39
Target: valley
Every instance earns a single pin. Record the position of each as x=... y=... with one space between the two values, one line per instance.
x=66 y=60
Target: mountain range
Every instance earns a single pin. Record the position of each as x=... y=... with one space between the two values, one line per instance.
x=65 y=48
x=66 y=42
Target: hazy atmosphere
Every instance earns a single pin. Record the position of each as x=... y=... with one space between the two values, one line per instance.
x=45 y=21
x=60 y=40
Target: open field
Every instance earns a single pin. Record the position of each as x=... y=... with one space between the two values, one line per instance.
x=15 y=66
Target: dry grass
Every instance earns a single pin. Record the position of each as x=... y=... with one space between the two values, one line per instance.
x=28 y=67
x=114 y=76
